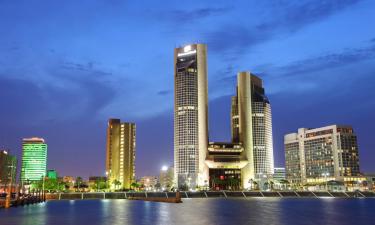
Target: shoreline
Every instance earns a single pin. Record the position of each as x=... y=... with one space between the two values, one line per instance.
x=169 y=196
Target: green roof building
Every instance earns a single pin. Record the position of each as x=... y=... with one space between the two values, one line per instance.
x=34 y=159
x=52 y=174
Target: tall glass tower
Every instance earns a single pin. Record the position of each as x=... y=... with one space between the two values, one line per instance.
x=190 y=115
x=34 y=159
x=252 y=126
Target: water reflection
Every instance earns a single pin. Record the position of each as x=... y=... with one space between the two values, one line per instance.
x=194 y=211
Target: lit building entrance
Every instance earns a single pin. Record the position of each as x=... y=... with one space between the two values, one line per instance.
x=225 y=179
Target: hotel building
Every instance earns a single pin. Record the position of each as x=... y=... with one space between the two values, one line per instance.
x=34 y=159
x=315 y=156
x=120 y=157
x=190 y=115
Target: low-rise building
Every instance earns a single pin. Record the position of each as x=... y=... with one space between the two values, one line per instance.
x=148 y=182
x=316 y=156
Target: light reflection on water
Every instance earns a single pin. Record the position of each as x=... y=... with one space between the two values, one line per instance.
x=270 y=211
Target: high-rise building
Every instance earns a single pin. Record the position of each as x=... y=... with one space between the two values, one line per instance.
x=252 y=126
x=34 y=159
x=249 y=157
x=279 y=173
x=120 y=160
x=314 y=156
x=8 y=170
x=190 y=115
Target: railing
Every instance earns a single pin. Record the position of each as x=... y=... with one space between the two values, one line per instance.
x=208 y=194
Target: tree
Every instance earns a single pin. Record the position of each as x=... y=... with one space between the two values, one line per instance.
x=100 y=184
x=116 y=183
x=271 y=185
x=134 y=186
x=157 y=186
x=78 y=184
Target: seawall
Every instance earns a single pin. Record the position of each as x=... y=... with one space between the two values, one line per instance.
x=163 y=196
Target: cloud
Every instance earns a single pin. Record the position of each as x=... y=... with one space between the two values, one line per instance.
x=164 y=92
x=327 y=61
x=235 y=37
x=187 y=16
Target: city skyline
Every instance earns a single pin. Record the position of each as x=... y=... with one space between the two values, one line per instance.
x=86 y=76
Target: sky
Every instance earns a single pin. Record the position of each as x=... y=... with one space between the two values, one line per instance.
x=66 y=67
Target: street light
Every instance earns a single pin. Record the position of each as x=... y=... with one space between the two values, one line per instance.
x=325 y=178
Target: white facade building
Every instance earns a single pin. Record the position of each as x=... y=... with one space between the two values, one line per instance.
x=190 y=115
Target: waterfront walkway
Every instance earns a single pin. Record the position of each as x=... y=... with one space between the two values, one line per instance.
x=208 y=194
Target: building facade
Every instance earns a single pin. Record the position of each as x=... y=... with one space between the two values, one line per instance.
x=252 y=127
x=190 y=115
x=315 y=156
x=279 y=174
x=120 y=154
x=34 y=159
x=8 y=170
x=148 y=182
x=249 y=157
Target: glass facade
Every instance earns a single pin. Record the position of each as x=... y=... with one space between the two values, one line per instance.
x=34 y=159
x=190 y=114
x=292 y=162
x=259 y=117
x=315 y=156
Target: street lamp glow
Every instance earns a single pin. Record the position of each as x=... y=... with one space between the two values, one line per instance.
x=164 y=168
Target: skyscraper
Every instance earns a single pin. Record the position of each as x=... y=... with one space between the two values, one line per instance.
x=252 y=126
x=34 y=159
x=314 y=156
x=120 y=160
x=190 y=115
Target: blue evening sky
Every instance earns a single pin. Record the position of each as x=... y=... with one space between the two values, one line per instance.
x=67 y=66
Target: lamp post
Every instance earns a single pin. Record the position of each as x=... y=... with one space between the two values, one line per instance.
x=9 y=192
x=325 y=179
x=43 y=191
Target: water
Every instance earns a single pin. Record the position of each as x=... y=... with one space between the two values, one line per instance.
x=195 y=211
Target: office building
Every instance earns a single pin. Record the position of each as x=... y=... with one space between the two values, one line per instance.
x=316 y=156
x=279 y=174
x=252 y=127
x=190 y=115
x=8 y=170
x=249 y=157
x=120 y=159
x=34 y=159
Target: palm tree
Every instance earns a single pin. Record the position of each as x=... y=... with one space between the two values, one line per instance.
x=116 y=183
x=271 y=185
x=134 y=185
x=78 y=183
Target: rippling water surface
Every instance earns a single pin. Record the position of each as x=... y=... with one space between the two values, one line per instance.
x=195 y=211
